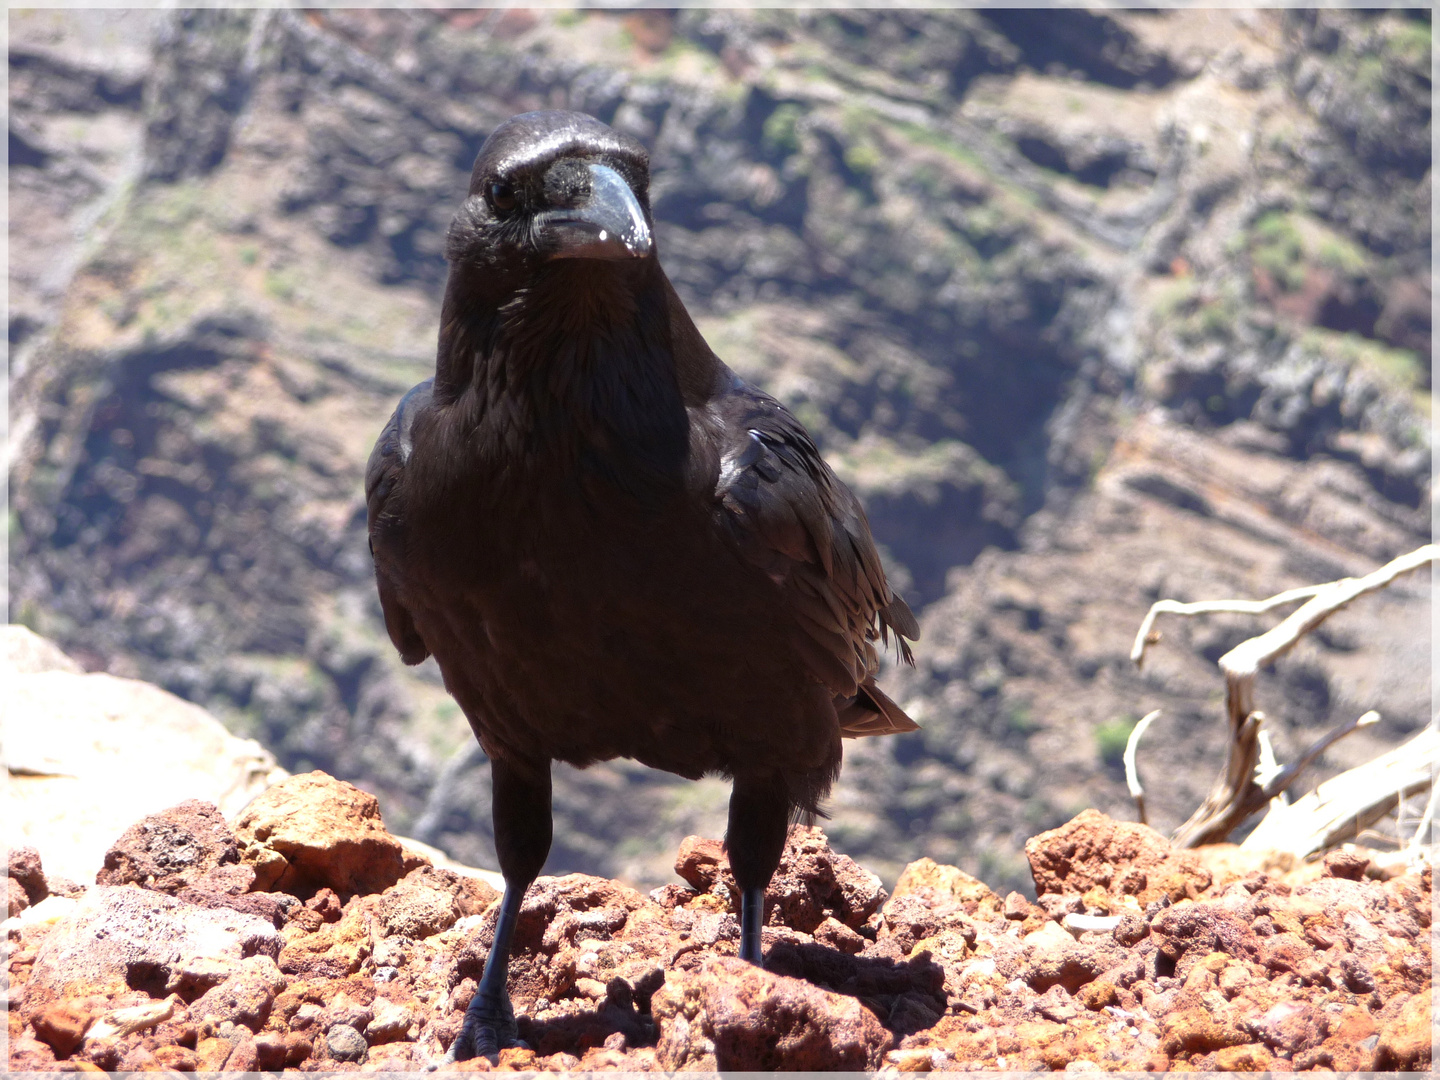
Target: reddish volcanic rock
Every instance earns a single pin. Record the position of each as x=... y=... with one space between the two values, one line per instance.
x=731 y=1015
x=929 y=880
x=812 y=883
x=1251 y=973
x=1192 y=930
x=428 y=900
x=1346 y=864
x=245 y=998
x=1122 y=858
x=23 y=867
x=311 y=832
x=187 y=845
x=272 y=907
x=15 y=899
x=62 y=1025
x=701 y=861
x=328 y=950
x=1405 y=1041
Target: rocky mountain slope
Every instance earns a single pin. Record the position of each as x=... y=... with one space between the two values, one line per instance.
x=1090 y=308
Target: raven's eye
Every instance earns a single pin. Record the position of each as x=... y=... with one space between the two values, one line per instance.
x=502 y=197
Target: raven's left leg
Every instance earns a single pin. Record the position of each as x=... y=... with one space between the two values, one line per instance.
x=523 y=829
x=760 y=811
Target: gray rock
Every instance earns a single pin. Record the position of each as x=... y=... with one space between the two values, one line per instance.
x=345 y=1043
x=118 y=937
x=246 y=997
x=391 y=1024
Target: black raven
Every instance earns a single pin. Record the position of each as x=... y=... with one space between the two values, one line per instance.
x=610 y=543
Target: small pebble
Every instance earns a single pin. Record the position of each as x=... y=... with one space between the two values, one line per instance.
x=345 y=1043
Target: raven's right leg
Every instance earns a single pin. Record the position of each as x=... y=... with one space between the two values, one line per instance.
x=755 y=838
x=523 y=829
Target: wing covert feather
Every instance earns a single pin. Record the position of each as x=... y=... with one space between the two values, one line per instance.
x=787 y=512
x=384 y=505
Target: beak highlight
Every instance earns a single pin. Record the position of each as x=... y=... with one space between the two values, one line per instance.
x=609 y=224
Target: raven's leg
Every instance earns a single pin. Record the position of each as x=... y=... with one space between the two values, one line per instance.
x=759 y=819
x=521 y=811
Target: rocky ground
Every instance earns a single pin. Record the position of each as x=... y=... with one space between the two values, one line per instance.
x=307 y=938
x=1092 y=309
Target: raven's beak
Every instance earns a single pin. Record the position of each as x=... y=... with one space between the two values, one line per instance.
x=608 y=224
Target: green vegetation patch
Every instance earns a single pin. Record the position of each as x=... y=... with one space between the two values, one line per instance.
x=1196 y=314
x=1110 y=740
x=1342 y=254
x=1276 y=248
x=1285 y=245
x=1019 y=720
x=922 y=136
x=1409 y=42
x=862 y=150
x=781 y=131
x=1400 y=367
x=876 y=464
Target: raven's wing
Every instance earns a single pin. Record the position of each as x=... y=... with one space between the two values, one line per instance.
x=787 y=513
x=385 y=509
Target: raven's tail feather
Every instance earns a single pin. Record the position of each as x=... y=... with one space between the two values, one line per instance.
x=872 y=713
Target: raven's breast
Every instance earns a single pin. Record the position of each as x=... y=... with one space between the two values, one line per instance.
x=582 y=633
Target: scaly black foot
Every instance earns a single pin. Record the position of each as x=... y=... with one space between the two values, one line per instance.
x=752 y=914
x=522 y=839
x=760 y=811
x=488 y=1028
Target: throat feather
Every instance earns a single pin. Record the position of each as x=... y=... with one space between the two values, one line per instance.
x=604 y=401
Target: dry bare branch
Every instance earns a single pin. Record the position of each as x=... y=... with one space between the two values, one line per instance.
x=1132 y=775
x=1282 y=778
x=1236 y=793
x=1247 y=658
x=1339 y=809
x=1417 y=844
x=1268 y=768
x=1148 y=635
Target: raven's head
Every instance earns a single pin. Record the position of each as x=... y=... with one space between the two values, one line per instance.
x=554 y=185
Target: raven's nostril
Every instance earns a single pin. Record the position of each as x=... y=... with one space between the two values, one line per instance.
x=567 y=184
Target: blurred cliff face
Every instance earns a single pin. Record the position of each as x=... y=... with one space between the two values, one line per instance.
x=1090 y=308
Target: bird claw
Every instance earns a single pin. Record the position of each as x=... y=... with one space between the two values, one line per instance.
x=485 y=1041
x=485 y=1032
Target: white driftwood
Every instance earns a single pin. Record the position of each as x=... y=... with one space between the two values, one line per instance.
x=1078 y=924
x=1132 y=774
x=1341 y=807
x=1268 y=768
x=1247 y=658
x=1237 y=793
x=1274 y=782
x=1414 y=850
x=1148 y=635
x=121 y=1022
